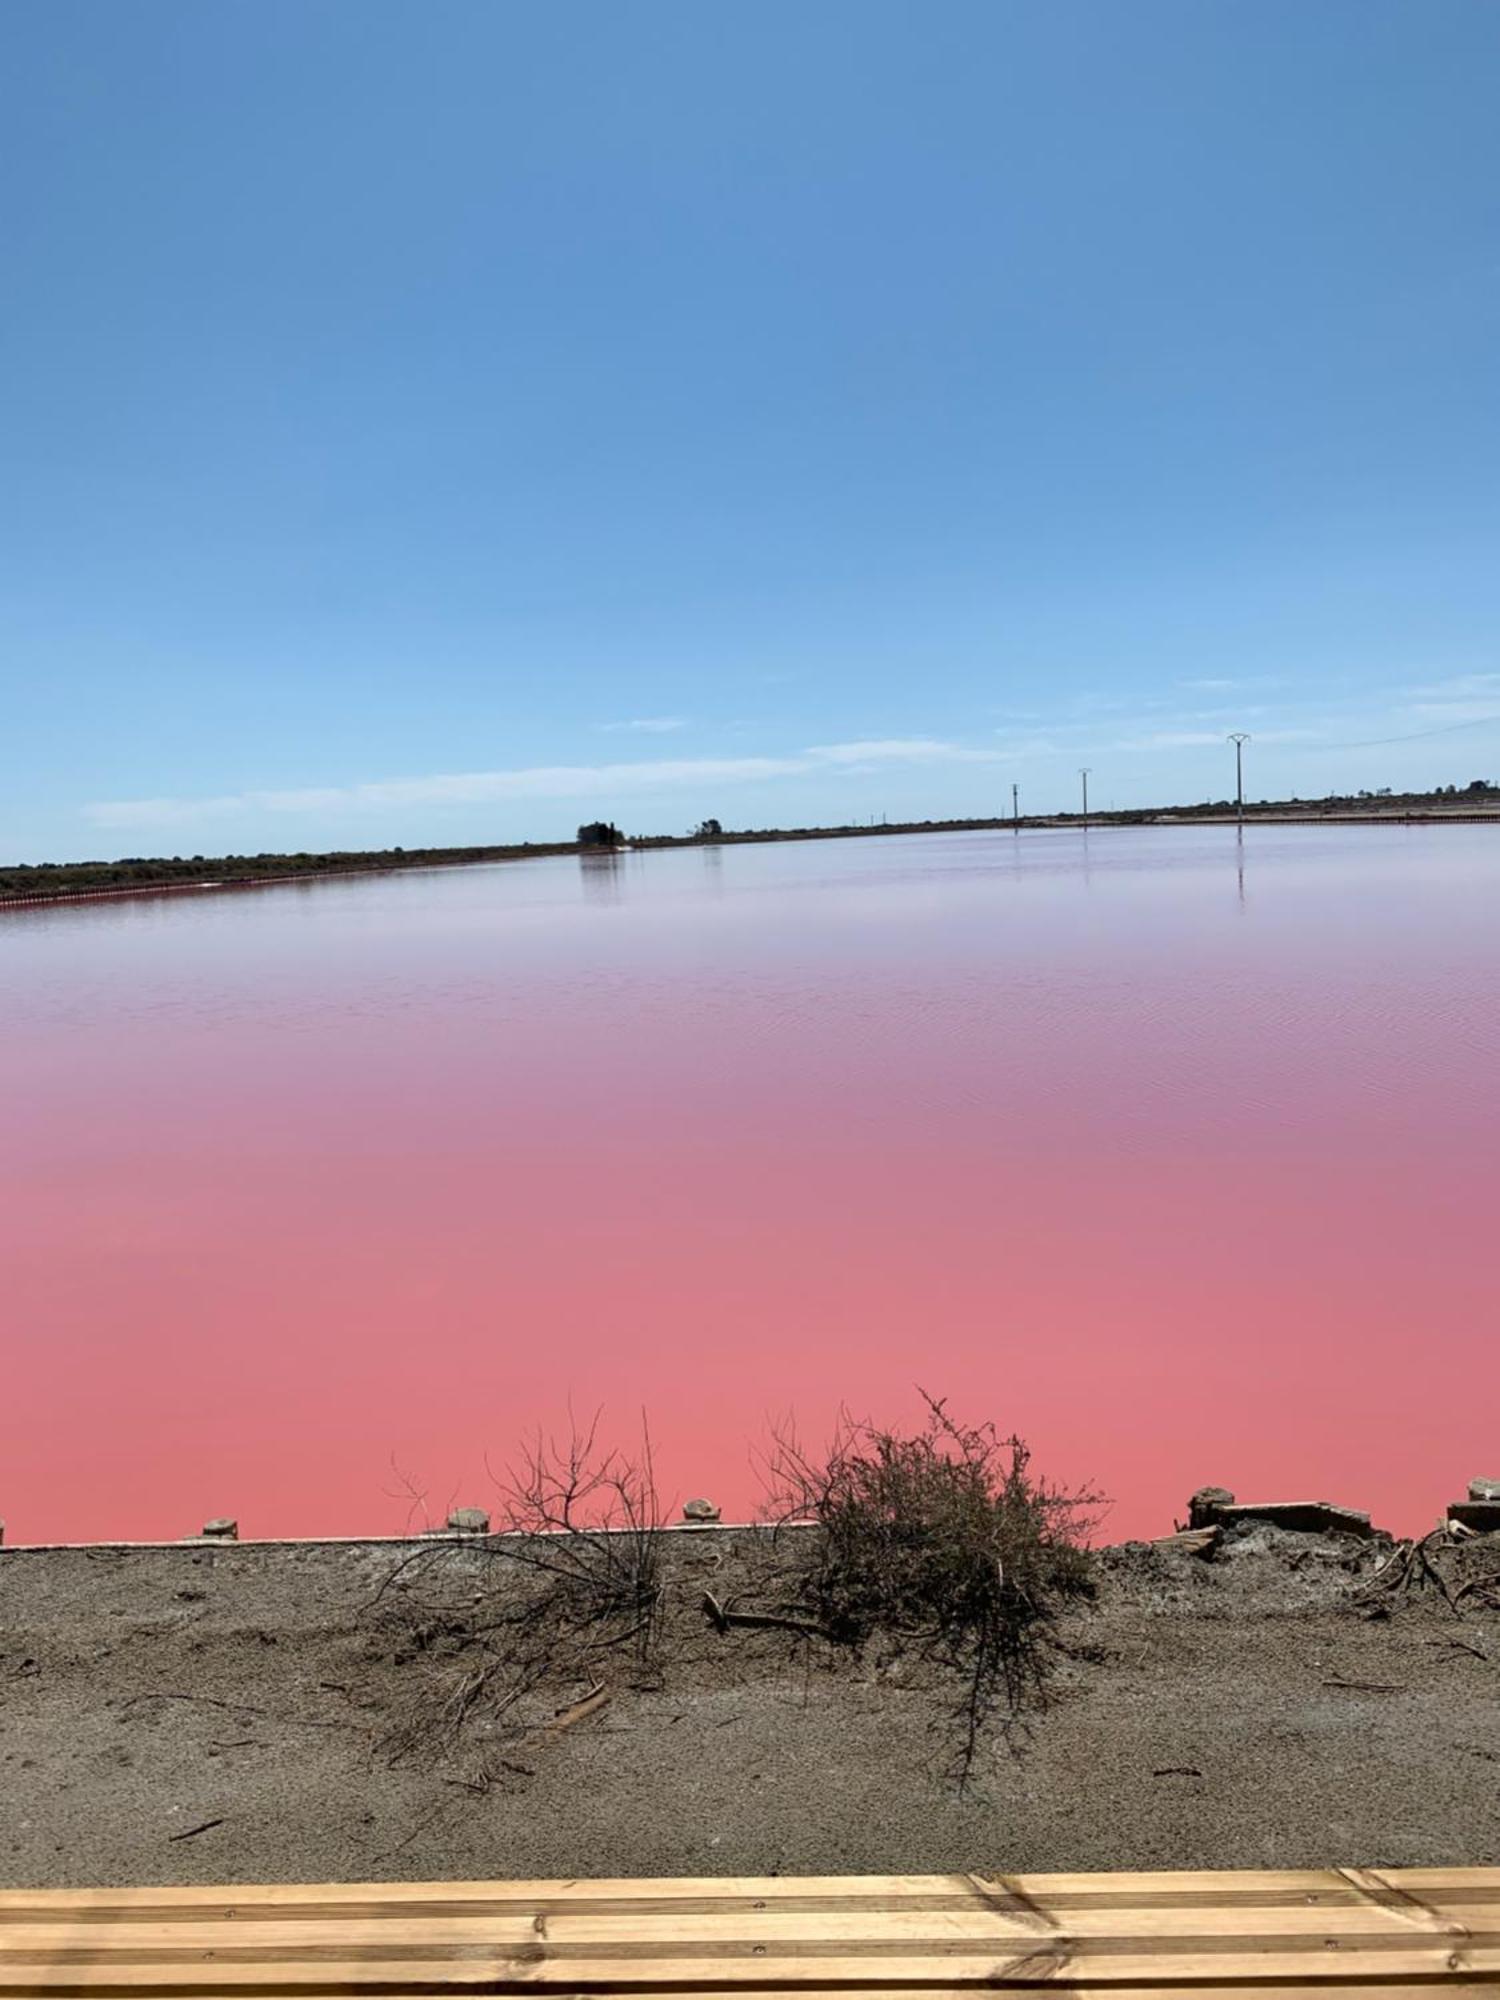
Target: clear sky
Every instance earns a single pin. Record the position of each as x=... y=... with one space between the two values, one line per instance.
x=449 y=420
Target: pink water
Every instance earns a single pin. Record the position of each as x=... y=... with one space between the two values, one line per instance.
x=1179 y=1158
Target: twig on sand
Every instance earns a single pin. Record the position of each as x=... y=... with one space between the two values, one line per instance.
x=1368 y=1687
x=577 y=1711
x=478 y=1784
x=191 y=1832
x=204 y=1700
x=773 y=1621
x=1461 y=1646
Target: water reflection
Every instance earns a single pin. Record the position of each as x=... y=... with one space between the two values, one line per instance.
x=602 y=872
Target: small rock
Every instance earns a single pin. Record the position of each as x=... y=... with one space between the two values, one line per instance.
x=699 y=1510
x=1484 y=1489
x=1203 y=1508
x=221 y=1530
x=469 y=1521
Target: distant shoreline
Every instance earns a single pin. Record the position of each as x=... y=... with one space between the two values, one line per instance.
x=72 y=882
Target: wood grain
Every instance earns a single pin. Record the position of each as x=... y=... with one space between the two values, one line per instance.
x=1397 y=1932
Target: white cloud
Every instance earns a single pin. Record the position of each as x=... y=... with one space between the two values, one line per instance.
x=1230 y=683
x=1203 y=739
x=1152 y=734
x=1170 y=739
x=548 y=781
x=648 y=725
x=898 y=750
x=1459 y=685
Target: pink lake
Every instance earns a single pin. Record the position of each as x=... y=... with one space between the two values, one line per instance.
x=1177 y=1156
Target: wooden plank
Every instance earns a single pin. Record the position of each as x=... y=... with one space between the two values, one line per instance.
x=1290 y=1931
x=1157 y=1889
x=876 y=1925
x=306 y=1976
x=875 y=1931
x=1450 y=1989
x=696 y=1962
x=650 y=1918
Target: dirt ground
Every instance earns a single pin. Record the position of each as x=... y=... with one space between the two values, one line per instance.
x=226 y=1713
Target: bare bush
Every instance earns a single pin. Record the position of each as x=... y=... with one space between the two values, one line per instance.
x=942 y=1540
x=570 y=1580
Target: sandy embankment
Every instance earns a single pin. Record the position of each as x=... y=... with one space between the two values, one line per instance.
x=1211 y=1719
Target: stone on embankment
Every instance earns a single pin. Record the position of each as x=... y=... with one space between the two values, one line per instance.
x=223 y=1528
x=1483 y=1516
x=701 y=1511
x=1484 y=1489
x=468 y=1521
x=1206 y=1505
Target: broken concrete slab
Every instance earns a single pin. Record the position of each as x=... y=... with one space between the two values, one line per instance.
x=1301 y=1517
x=1483 y=1516
x=222 y=1529
x=1484 y=1489
x=1191 y=1541
x=1216 y=1506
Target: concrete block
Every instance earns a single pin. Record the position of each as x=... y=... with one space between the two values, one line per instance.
x=1483 y=1516
x=223 y=1529
x=699 y=1510
x=468 y=1521
x=1205 y=1505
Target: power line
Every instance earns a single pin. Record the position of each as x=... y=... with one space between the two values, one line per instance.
x=1416 y=735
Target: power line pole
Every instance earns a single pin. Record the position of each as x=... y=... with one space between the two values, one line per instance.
x=1085 y=777
x=1239 y=738
x=1015 y=807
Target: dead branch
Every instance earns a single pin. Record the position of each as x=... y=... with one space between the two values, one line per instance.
x=766 y=1621
x=578 y=1711
x=574 y=1573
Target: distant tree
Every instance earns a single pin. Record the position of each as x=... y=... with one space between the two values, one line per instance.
x=710 y=829
x=1479 y=785
x=600 y=833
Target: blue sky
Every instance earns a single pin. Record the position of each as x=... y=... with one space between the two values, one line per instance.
x=447 y=421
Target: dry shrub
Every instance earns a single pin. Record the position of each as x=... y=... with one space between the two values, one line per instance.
x=570 y=1579
x=944 y=1541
